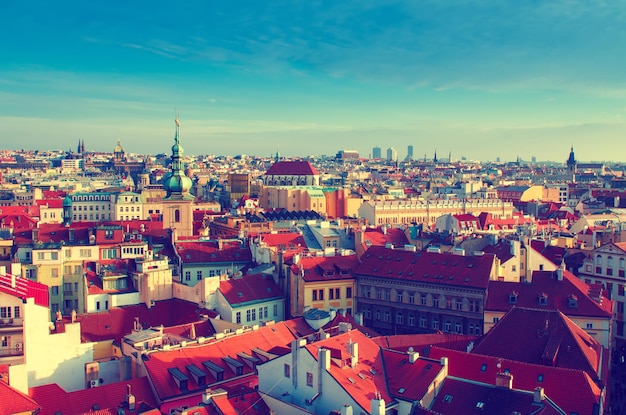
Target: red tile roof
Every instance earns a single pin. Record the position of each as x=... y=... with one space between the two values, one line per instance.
x=328 y=268
x=25 y=288
x=370 y=365
x=210 y=252
x=50 y=203
x=409 y=380
x=430 y=267
x=158 y=363
x=458 y=396
x=53 y=399
x=249 y=289
x=15 y=402
x=378 y=237
x=558 y=295
x=118 y=322
x=580 y=396
x=542 y=337
x=286 y=241
x=421 y=342
x=292 y=168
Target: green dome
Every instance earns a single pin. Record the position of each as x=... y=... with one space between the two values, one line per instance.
x=67 y=201
x=177 y=183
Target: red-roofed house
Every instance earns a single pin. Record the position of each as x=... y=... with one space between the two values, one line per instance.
x=267 y=248
x=606 y=266
x=349 y=370
x=457 y=224
x=557 y=290
x=379 y=236
x=405 y=292
x=322 y=282
x=50 y=210
x=291 y=173
x=14 y=402
x=250 y=299
x=181 y=375
x=207 y=259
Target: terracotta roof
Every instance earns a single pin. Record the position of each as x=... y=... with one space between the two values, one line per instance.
x=431 y=267
x=53 y=399
x=327 y=268
x=249 y=289
x=421 y=342
x=210 y=252
x=459 y=396
x=545 y=337
x=15 y=402
x=25 y=288
x=558 y=295
x=118 y=322
x=50 y=203
x=409 y=381
x=580 y=396
x=292 y=168
x=502 y=250
x=378 y=237
x=158 y=363
x=286 y=241
x=370 y=365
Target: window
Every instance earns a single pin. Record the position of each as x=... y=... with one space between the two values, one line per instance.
x=54 y=290
x=5 y=312
x=314 y=295
x=238 y=317
x=399 y=318
x=411 y=298
x=423 y=322
x=287 y=370
x=309 y=379
x=199 y=275
x=331 y=294
x=187 y=275
x=436 y=302
x=447 y=326
x=423 y=299
x=337 y=293
x=457 y=328
x=54 y=255
x=275 y=310
x=248 y=315
x=388 y=295
x=177 y=215
x=40 y=256
x=435 y=324
x=589 y=325
x=253 y=314
x=400 y=297
x=320 y=295
x=16 y=311
x=496 y=319
x=6 y=341
x=348 y=292
x=543 y=299
x=620 y=289
x=411 y=320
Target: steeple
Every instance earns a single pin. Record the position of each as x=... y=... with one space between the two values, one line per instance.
x=435 y=157
x=176 y=183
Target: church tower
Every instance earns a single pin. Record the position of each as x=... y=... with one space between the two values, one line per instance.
x=177 y=204
x=571 y=165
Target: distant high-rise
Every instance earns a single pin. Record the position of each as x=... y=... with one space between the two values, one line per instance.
x=409 y=153
x=376 y=153
x=392 y=154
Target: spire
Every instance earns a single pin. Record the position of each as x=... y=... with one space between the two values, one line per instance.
x=435 y=157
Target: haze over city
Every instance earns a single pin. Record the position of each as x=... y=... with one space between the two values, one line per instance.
x=480 y=79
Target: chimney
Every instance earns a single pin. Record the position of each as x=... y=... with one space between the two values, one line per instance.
x=71 y=235
x=353 y=349
x=413 y=355
x=504 y=380
x=344 y=327
x=346 y=410
x=323 y=366
x=377 y=406
x=35 y=235
x=444 y=361
x=538 y=395
x=130 y=399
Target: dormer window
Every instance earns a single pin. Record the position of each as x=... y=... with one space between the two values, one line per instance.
x=513 y=297
x=572 y=301
x=543 y=299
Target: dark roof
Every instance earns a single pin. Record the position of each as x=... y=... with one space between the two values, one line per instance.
x=292 y=168
x=430 y=267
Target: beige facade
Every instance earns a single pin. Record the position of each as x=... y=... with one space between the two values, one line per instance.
x=292 y=198
x=426 y=212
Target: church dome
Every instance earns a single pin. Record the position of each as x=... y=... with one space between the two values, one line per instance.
x=118 y=147
x=176 y=183
x=67 y=201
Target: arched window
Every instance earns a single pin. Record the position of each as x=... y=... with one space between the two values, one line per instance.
x=177 y=215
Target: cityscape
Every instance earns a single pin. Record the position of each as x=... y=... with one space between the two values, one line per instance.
x=333 y=208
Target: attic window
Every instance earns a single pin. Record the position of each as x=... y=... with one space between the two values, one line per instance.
x=401 y=390
x=540 y=378
x=480 y=405
x=572 y=301
x=373 y=372
x=447 y=398
x=513 y=297
x=470 y=265
x=483 y=368
x=543 y=299
x=351 y=380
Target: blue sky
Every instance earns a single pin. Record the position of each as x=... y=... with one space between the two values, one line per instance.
x=482 y=79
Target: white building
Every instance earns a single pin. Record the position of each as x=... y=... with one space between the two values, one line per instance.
x=128 y=206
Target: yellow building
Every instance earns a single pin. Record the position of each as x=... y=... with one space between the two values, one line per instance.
x=322 y=282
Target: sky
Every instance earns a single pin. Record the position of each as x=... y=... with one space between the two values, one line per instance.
x=471 y=78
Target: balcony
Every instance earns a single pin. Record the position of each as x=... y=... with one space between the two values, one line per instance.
x=10 y=323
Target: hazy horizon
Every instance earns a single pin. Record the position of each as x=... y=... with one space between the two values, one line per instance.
x=479 y=79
